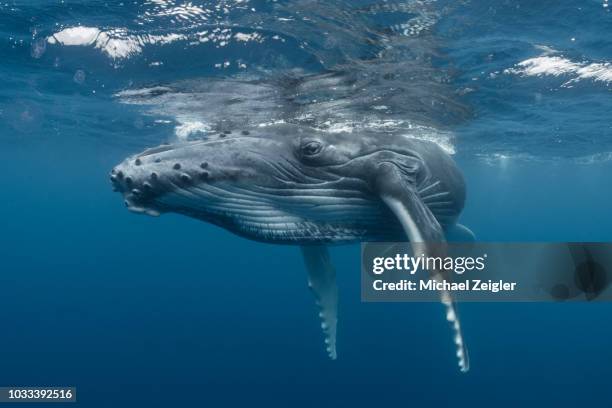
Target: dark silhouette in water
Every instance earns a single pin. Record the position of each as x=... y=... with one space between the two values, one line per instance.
x=589 y=277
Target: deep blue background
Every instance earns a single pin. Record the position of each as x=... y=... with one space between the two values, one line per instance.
x=135 y=310
x=169 y=311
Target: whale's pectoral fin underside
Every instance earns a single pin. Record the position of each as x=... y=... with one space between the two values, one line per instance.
x=322 y=282
x=426 y=237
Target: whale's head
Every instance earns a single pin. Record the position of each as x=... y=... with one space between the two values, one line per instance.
x=281 y=184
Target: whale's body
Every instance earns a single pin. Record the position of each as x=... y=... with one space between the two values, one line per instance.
x=290 y=184
x=259 y=184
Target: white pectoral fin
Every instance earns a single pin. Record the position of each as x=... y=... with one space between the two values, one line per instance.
x=322 y=282
x=426 y=237
x=453 y=318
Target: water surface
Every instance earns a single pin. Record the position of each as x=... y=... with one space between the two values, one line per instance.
x=134 y=310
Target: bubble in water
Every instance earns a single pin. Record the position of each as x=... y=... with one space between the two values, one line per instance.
x=79 y=77
x=330 y=43
x=39 y=47
x=23 y=116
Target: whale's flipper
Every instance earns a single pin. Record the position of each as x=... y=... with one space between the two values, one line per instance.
x=425 y=235
x=459 y=233
x=322 y=282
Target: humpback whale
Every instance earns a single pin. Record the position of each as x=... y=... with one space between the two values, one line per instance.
x=294 y=184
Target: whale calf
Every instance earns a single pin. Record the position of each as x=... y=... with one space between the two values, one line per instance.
x=292 y=184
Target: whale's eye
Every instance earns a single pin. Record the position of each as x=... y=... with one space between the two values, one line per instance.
x=311 y=148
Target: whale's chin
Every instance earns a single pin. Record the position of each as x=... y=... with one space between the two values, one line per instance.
x=303 y=233
x=264 y=215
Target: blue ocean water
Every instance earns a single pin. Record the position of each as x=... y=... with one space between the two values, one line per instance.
x=170 y=311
